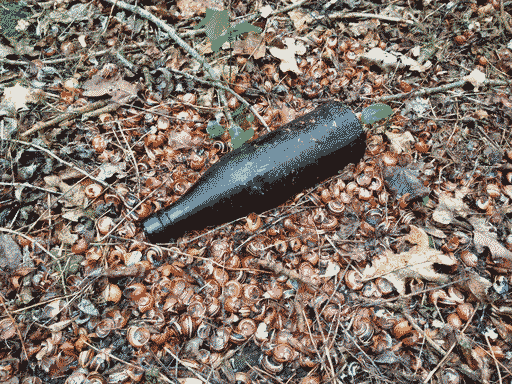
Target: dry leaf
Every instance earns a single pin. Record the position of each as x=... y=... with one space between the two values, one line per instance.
x=405 y=180
x=74 y=196
x=485 y=236
x=64 y=234
x=448 y=207
x=478 y=286
x=416 y=263
x=362 y=27
x=191 y=8
x=266 y=11
x=287 y=56
x=486 y=239
x=252 y=45
x=300 y=19
x=19 y=96
x=109 y=81
x=477 y=78
x=400 y=142
x=11 y=256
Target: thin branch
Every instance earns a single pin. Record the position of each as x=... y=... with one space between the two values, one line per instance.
x=238 y=97
x=343 y=15
x=63 y=161
x=459 y=366
x=249 y=17
x=279 y=269
x=28 y=185
x=15 y=324
x=441 y=88
x=27 y=238
x=64 y=116
x=109 y=108
x=431 y=373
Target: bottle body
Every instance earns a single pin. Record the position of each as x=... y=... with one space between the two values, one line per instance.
x=264 y=173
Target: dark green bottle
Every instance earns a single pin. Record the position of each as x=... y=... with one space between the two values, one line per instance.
x=264 y=173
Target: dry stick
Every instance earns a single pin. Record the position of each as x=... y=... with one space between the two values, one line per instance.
x=75 y=57
x=109 y=108
x=505 y=22
x=64 y=116
x=462 y=367
x=14 y=325
x=431 y=373
x=441 y=88
x=248 y=18
x=28 y=185
x=132 y=210
x=112 y=356
x=28 y=238
x=63 y=161
x=326 y=348
x=129 y=149
x=237 y=96
x=343 y=15
x=291 y=274
x=490 y=348
x=185 y=365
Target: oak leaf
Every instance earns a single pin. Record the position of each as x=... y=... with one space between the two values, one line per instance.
x=416 y=263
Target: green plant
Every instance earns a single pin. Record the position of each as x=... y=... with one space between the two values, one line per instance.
x=216 y=24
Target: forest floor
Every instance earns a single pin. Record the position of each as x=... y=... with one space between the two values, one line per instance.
x=398 y=269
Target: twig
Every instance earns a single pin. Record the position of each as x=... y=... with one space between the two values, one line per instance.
x=487 y=339
x=459 y=366
x=76 y=57
x=109 y=108
x=112 y=356
x=252 y=17
x=63 y=161
x=441 y=88
x=237 y=96
x=291 y=274
x=170 y=31
x=27 y=238
x=130 y=152
x=185 y=365
x=343 y=15
x=431 y=373
x=64 y=116
x=504 y=19
x=14 y=323
x=28 y=185
x=132 y=210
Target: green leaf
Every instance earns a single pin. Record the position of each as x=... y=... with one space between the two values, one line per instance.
x=215 y=24
x=239 y=136
x=214 y=129
x=375 y=113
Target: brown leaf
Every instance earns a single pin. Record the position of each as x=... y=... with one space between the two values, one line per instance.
x=483 y=237
x=403 y=180
x=100 y=85
x=449 y=207
x=416 y=263
x=252 y=45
